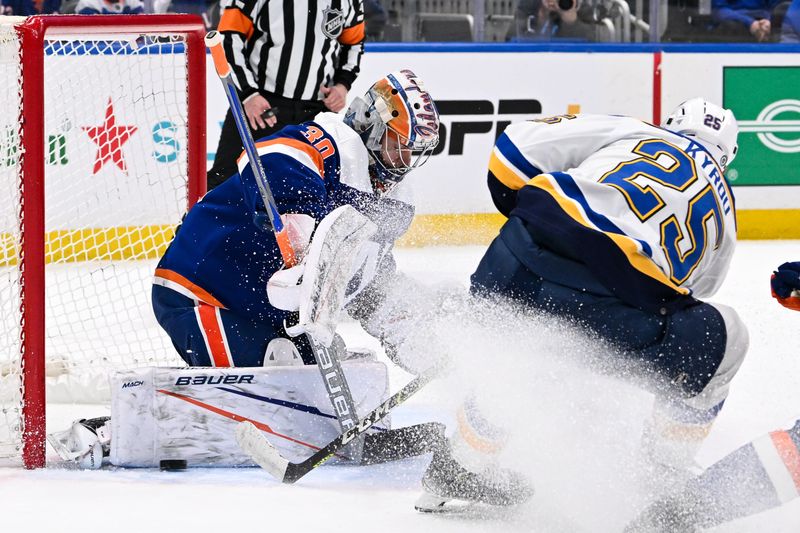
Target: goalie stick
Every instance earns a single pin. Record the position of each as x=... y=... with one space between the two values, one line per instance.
x=253 y=442
x=327 y=361
x=213 y=41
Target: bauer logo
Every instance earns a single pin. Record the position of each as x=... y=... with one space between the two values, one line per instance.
x=215 y=380
x=129 y=384
x=766 y=103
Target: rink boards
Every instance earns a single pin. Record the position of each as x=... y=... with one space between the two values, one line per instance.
x=480 y=88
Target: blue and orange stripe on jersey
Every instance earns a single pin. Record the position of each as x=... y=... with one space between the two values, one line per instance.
x=207 y=311
x=780 y=457
x=178 y=283
x=301 y=151
x=209 y=320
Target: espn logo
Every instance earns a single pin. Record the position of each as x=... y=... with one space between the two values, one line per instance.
x=459 y=129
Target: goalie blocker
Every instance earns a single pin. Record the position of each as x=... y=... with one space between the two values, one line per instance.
x=190 y=414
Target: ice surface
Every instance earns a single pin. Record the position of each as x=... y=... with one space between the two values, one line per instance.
x=573 y=431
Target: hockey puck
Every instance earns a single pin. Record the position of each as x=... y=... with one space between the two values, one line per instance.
x=172 y=465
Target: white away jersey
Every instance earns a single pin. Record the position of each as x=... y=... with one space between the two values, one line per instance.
x=608 y=188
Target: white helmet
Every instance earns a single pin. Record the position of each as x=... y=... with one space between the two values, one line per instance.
x=399 y=106
x=714 y=127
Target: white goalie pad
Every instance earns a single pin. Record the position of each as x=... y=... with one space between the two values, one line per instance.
x=192 y=413
x=340 y=248
x=409 y=321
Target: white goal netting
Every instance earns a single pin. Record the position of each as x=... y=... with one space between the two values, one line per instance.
x=116 y=178
x=10 y=316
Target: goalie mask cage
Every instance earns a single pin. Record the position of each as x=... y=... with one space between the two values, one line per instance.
x=102 y=151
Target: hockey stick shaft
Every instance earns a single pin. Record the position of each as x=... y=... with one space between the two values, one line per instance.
x=338 y=390
x=331 y=370
x=214 y=43
x=262 y=452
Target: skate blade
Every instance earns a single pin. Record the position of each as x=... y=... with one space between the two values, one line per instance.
x=431 y=503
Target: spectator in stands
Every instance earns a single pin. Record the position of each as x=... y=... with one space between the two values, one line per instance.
x=790 y=31
x=109 y=7
x=194 y=7
x=375 y=18
x=26 y=8
x=162 y=6
x=548 y=19
x=744 y=20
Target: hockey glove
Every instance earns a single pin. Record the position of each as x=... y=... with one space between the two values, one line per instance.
x=785 y=284
x=299 y=228
x=283 y=288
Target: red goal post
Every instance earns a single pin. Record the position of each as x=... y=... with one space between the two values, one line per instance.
x=123 y=162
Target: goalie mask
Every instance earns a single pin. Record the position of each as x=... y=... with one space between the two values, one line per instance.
x=712 y=126
x=399 y=124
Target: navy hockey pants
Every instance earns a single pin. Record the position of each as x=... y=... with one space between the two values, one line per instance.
x=685 y=348
x=205 y=335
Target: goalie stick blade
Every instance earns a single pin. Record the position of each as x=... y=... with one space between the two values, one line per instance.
x=254 y=444
x=262 y=452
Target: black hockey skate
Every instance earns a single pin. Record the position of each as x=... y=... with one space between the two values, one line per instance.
x=449 y=487
x=669 y=515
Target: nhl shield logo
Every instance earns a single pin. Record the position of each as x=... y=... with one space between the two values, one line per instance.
x=332 y=22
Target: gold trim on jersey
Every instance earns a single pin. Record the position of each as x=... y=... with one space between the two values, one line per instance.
x=505 y=172
x=627 y=245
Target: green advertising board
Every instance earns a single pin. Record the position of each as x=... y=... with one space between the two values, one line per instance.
x=766 y=103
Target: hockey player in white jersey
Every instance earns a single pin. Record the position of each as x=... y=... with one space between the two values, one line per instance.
x=620 y=226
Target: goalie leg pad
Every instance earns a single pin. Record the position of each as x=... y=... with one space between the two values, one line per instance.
x=191 y=414
x=406 y=318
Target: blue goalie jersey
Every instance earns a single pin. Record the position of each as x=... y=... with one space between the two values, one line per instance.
x=224 y=252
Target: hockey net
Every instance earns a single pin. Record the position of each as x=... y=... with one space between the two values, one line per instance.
x=102 y=150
